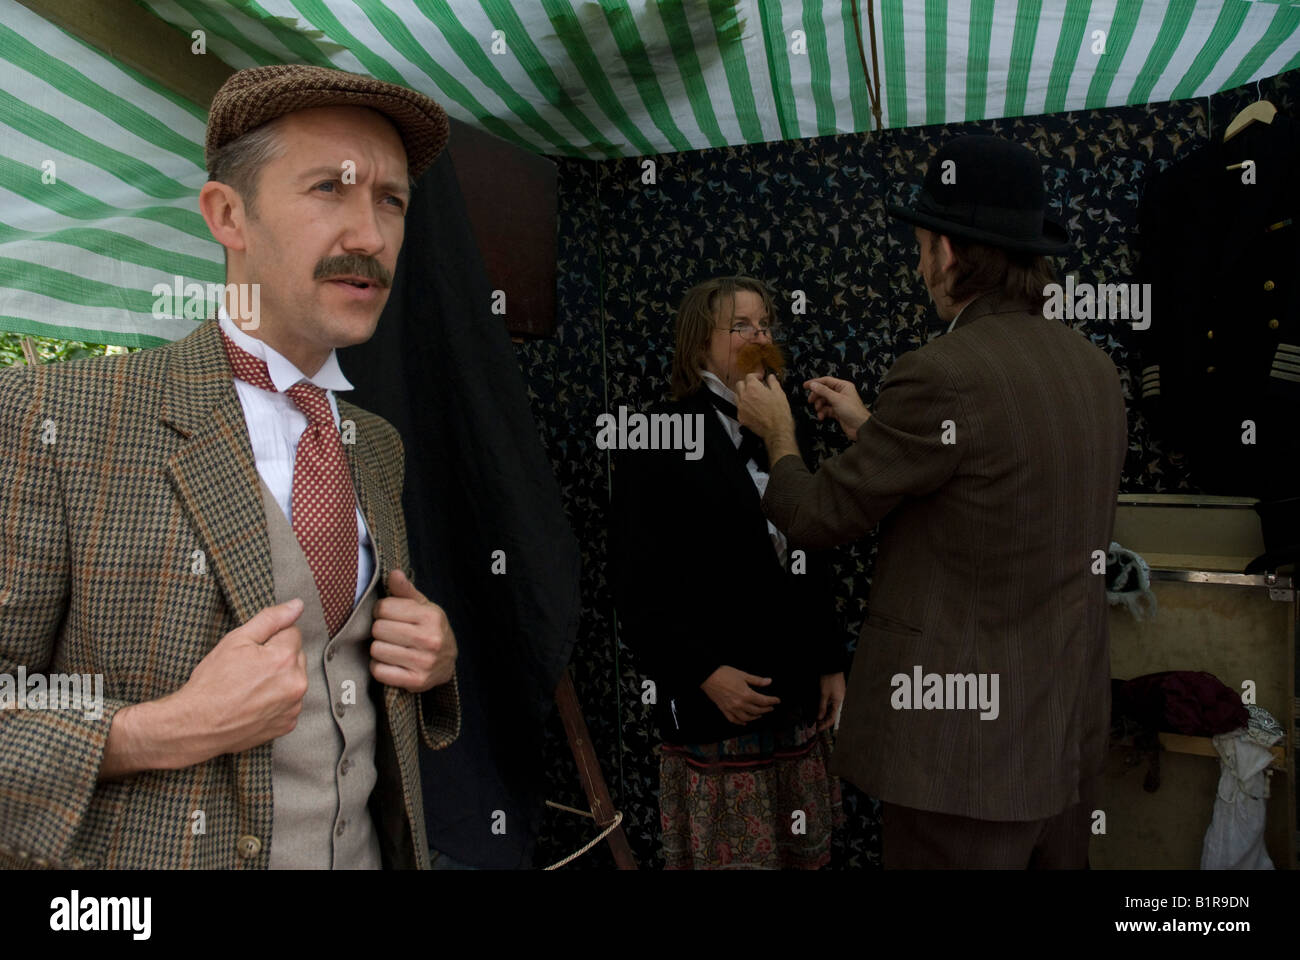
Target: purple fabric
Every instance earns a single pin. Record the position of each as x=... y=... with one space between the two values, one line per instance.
x=1190 y=702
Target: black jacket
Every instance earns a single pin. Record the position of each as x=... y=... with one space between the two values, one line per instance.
x=441 y=369
x=698 y=586
x=1224 y=342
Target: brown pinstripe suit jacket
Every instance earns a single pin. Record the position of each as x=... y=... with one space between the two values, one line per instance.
x=150 y=462
x=984 y=563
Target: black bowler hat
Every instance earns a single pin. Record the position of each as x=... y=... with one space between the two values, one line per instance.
x=993 y=195
x=1279 y=521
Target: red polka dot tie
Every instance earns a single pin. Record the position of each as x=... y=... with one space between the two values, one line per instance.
x=324 y=502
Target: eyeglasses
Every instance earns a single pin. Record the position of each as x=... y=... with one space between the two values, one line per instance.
x=748 y=331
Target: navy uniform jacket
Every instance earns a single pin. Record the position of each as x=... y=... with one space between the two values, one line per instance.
x=1224 y=341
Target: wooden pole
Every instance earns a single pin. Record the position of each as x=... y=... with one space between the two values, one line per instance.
x=593 y=781
x=875 y=61
x=873 y=89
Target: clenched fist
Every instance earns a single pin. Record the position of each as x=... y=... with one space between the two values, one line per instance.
x=413 y=648
x=249 y=688
x=246 y=691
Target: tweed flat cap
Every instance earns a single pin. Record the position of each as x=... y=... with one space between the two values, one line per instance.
x=252 y=97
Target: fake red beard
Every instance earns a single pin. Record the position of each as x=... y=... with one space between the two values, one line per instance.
x=760 y=358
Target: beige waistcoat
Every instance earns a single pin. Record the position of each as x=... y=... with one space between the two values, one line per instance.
x=323 y=771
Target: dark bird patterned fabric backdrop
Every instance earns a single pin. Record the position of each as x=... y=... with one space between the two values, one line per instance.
x=804 y=215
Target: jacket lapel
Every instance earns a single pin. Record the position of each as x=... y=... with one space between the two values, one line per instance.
x=402 y=719
x=360 y=456
x=720 y=453
x=213 y=474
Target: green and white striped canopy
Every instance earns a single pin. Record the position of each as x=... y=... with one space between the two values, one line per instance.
x=99 y=176
x=620 y=78
x=79 y=256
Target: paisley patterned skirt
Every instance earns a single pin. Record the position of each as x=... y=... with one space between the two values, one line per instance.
x=762 y=801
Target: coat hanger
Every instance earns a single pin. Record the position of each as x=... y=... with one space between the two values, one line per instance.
x=1260 y=110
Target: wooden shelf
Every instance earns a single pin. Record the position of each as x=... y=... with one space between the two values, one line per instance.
x=1202 y=747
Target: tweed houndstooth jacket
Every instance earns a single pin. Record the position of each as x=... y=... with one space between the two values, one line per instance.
x=132 y=538
x=993 y=456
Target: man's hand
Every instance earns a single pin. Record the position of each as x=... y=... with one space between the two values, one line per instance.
x=732 y=691
x=246 y=691
x=839 y=400
x=414 y=647
x=832 y=698
x=249 y=688
x=763 y=408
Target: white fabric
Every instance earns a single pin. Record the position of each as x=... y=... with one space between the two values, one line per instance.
x=1235 y=838
x=1131 y=585
x=275 y=424
x=760 y=477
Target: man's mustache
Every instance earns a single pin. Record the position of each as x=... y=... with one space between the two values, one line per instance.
x=759 y=358
x=353 y=265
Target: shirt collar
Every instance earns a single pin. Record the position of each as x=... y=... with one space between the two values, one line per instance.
x=282 y=370
x=956 y=318
x=714 y=383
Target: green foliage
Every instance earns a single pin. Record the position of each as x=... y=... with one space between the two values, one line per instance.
x=50 y=351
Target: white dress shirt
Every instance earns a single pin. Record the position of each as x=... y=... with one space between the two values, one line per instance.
x=760 y=477
x=275 y=424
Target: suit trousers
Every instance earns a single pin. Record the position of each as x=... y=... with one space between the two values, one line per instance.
x=914 y=839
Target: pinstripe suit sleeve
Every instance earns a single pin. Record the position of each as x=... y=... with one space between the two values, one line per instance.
x=899 y=453
x=438 y=710
x=49 y=759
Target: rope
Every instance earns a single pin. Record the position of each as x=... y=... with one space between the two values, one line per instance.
x=618 y=818
x=582 y=813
